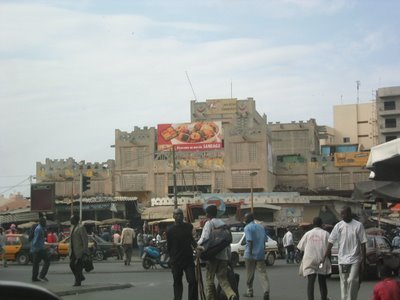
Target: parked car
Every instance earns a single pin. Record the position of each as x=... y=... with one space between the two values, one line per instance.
x=99 y=248
x=238 y=246
x=378 y=252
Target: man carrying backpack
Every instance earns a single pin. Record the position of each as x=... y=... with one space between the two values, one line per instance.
x=217 y=266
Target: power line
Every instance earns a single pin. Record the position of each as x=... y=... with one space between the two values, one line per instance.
x=14 y=186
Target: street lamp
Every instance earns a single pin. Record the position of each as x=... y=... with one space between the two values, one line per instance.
x=252 y=174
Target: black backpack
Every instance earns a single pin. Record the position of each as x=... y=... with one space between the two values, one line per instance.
x=219 y=239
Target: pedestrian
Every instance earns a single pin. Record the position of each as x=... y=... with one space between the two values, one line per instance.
x=289 y=245
x=351 y=238
x=116 y=239
x=127 y=238
x=396 y=241
x=218 y=266
x=314 y=244
x=39 y=252
x=180 y=243
x=158 y=237
x=389 y=287
x=3 y=240
x=140 y=242
x=51 y=237
x=78 y=247
x=254 y=255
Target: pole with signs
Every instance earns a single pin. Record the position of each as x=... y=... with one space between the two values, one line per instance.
x=252 y=174
x=174 y=177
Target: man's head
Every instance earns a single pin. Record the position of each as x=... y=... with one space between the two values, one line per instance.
x=317 y=222
x=42 y=221
x=74 y=220
x=178 y=216
x=211 y=211
x=248 y=218
x=346 y=214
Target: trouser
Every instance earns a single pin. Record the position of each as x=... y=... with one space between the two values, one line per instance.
x=251 y=266
x=3 y=253
x=76 y=266
x=290 y=254
x=350 y=282
x=128 y=253
x=177 y=273
x=37 y=257
x=218 y=268
x=322 y=286
x=141 y=249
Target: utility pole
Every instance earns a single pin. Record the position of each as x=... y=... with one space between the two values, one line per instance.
x=80 y=196
x=174 y=176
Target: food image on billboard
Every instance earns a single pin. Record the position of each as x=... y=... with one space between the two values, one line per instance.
x=190 y=136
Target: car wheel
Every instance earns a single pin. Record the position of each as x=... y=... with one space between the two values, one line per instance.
x=99 y=255
x=234 y=259
x=23 y=258
x=270 y=259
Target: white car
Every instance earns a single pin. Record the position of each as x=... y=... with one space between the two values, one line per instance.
x=239 y=243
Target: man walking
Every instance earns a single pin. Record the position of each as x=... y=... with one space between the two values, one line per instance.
x=217 y=266
x=351 y=237
x=77 y=248
x=180 y=244
x=254 y=255
x=289 y=246
x=127 y=237
x=39 y=252
x=314 y=244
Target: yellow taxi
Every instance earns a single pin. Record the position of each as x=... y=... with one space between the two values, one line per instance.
x=17 y=248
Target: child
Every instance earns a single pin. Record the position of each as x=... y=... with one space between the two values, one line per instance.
x=388 y=288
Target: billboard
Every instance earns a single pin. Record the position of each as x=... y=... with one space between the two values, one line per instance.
x=351 y=159
x=42 y=196
x=198 y=136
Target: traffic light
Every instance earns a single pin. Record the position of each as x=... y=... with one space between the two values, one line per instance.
x=85 y=183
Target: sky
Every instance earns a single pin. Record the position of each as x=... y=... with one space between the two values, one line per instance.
x=71 y=72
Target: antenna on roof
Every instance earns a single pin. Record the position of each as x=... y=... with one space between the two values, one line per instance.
x=358 y=90
x=194 y=94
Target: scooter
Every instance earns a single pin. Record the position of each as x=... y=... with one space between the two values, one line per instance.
x=155 y=254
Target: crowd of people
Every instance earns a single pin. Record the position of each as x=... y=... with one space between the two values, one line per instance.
x=315 y=245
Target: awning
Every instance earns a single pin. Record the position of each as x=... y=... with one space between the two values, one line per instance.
x=259 y=205
x=386 y=190
x=384 y=161
x=170 y=220
x=158 y=212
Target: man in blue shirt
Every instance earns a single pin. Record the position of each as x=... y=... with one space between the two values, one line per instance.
x=254 y=255
x=39 y=252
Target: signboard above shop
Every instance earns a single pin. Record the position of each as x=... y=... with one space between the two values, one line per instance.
x=198 y=136
x=221 y=106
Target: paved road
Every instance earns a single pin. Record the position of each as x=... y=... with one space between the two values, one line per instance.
x=111 y=279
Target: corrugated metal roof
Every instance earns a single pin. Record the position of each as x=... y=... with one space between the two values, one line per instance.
x=98 y=199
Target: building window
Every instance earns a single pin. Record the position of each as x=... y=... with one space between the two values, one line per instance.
x=237 y=152
x=390 y=138
x=252 y=152
x=389 y=105
x=346 y=140
x=390 y=123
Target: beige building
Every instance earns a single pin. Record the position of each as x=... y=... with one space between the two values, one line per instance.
x=388 y=113
x=355 y=124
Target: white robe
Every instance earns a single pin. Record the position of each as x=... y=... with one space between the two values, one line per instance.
x=314 y=244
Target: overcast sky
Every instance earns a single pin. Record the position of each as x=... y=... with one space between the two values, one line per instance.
x=71 y=72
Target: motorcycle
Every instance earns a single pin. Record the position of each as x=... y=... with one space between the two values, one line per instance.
x=156 y=254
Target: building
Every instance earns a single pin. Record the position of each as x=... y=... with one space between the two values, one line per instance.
x=355 y=124
x=388 y=113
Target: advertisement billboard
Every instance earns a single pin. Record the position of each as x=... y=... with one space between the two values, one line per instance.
x=351 y=159
x=42 y=196
x=198 y=136
x=221 y=106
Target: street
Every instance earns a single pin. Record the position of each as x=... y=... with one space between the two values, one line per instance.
x=111 y=279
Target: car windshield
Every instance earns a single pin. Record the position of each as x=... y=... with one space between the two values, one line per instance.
x=236 y=237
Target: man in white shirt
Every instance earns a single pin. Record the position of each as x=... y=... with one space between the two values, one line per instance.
x=289 y=246
x=351 y=238
x=127 y=237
